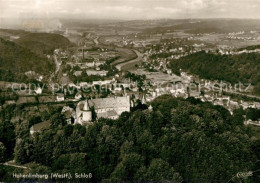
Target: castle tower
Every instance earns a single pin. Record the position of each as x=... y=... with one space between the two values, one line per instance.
x=87 y=114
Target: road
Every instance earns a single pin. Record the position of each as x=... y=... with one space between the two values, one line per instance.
x=10 y=163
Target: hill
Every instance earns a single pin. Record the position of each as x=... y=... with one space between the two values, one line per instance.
x=202 y=26
x=10 y=33
x=242 y=68
x=43 y=43
x=178 y=141
x=15 y=60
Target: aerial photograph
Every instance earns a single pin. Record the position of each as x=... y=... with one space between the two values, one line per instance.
x=141 y=91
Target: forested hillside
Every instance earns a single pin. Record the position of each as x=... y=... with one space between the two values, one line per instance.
x=15 y=60
x=180 y=140
x=244 y=68
x=43 y=43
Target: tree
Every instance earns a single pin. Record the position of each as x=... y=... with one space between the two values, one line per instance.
x=253 y=114
x=2 y=152
x=127 y=168
x=7 y=137
x=158 y=170
x=34 y=120
x=68 y=129
x=20 y=153
x=58 y=119
x=79 y=129
x=74 y=163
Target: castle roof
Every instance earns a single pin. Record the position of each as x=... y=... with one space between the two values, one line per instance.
x=111 y=102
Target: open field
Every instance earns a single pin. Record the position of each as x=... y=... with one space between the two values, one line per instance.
x=130 y=65
x=158 y=77
x=125 y=54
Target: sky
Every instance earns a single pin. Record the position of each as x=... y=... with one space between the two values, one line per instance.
x=130 y=9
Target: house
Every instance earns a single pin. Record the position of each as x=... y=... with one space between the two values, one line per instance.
x=78 y=96
x=90 y=64
x=30 y=73
x=257 y=105
x=38 y=90
x=233 y=105
x=98 y=73
x=245 y=105
x=195 y=94
x=106 y=82
x=60 y=97
x=110 y=108
x=117 y=90
x=218 y=102
x=37 y=128
x=250 y=122
x=40 y=78
x=169 y=71
x=9 y=102
x=77 y=73
x=209 y=98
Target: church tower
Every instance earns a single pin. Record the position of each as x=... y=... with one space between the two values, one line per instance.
x=143 y=101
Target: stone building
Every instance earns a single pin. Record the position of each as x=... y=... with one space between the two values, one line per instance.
x=110 y=108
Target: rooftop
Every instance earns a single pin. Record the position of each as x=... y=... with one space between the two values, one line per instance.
x=110 y=102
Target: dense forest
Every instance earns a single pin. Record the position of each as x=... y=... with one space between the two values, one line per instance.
x=43 y=43
x=244 y=68
x=178 y=141
x=16 y=60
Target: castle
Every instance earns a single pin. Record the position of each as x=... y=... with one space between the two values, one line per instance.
x=104 y=107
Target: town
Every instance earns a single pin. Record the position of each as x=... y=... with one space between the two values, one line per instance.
x=112 y=74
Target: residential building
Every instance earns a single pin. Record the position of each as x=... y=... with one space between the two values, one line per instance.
x=60 y=97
